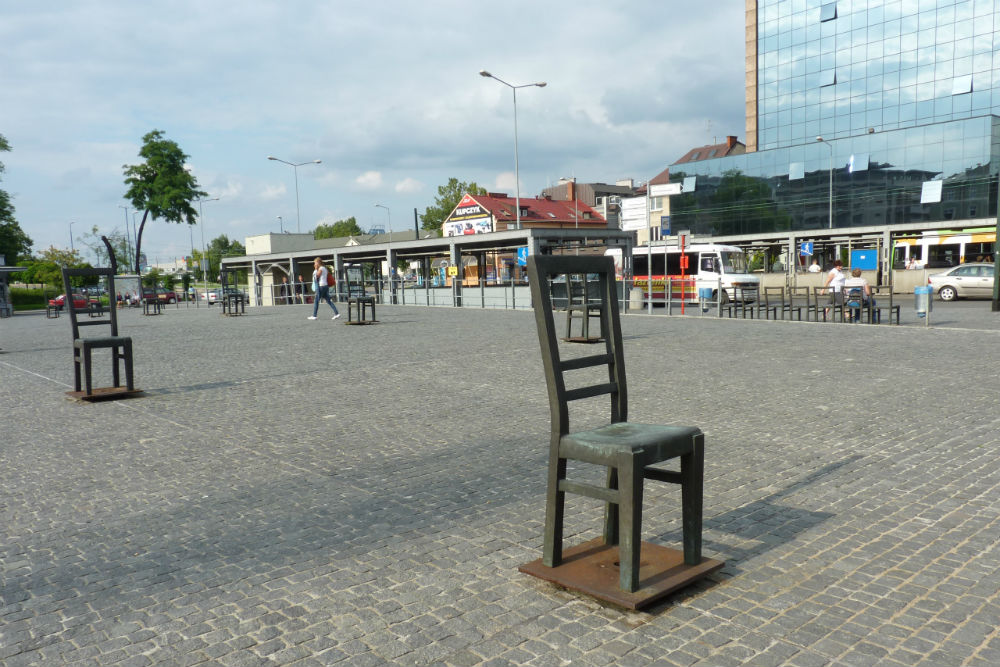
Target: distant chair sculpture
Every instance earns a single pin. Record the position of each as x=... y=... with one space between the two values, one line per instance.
x=627 y=450
x=120 y=346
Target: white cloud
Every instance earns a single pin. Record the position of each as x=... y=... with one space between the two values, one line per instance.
x=504 y=183
x=370 y=180
x=409 y=186
x=271 y=192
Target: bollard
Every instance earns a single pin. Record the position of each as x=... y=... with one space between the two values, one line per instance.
x=923 y=301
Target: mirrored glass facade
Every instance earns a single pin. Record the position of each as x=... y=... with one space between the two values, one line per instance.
x=902 y=92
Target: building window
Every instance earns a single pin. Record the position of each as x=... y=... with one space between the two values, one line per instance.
x=961 y=85
x=828 y=12
x=827 y=77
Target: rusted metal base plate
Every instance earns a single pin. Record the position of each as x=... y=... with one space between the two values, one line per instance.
x=357 y=322
x=104 y=394
x=581 y=339
x=592 y=568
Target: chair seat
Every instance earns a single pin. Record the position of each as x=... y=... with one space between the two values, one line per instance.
x=603 y=445
x=101 y=341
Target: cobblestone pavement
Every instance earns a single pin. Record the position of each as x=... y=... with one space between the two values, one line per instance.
x=293 y=492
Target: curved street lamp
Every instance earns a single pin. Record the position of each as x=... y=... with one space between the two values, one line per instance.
x=295 y=166
x=388 y=223
x=204 y=255
x=517 y=176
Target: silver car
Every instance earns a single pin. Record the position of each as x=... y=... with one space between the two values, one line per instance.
x=966 y=280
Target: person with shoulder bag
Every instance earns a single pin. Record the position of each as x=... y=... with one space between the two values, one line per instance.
x=322 y=280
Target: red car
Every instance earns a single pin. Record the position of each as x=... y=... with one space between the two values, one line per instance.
x=79 y=301
x=161 y=293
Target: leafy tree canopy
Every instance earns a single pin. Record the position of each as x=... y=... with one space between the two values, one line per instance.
x=447 y=199
x=47 y=268
x=160 y=185
x=15 y=245
x=341 y=228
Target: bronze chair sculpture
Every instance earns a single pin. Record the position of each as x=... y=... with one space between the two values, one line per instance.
x=626 y=449
x=120 y=346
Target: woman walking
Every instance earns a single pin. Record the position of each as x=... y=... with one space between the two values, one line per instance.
x=321 y=288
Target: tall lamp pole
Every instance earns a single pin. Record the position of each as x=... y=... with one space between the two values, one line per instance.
x=388 y=218
x=281 y=224
x=128 y=240
x=71 y=248
x=295 y=167
x=830 y=197
x=517 y=175
x=204 y=255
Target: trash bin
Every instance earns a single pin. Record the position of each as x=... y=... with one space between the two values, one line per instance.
x=704 y=296
x=923 y=299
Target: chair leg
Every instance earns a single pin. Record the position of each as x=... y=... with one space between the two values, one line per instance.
x=692 y=482
x=86 y=371
x=611 y=510
x=630 y=474
x=76 y=368
x=116 y=375
x=555 y=502
x=129 y=378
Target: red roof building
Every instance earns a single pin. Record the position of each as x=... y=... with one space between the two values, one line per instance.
x=730 y=147
x=496 y=212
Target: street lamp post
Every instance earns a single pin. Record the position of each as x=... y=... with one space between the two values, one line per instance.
x=295 y=166
x=517 y=176
x=281 y=224
x=71 y=248
x=388 y=223
x=128 y=240
x=830 y=196
x=204 y=255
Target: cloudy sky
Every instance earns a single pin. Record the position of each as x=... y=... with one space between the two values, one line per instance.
x=385 y=93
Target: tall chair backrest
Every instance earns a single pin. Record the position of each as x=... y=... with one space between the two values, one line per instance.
x=596 y=271
x=107 y=317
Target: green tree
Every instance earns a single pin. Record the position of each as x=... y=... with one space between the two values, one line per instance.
x=15 y=245
x=160 y=186
x=338 y=229
x=119 y=244
x=218 y=248
x=448 y=197
x=47 y=268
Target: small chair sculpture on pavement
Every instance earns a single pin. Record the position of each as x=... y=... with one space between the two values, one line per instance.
x=359 y=302
x=120 y=346
x=582 y=304
x=628 y=451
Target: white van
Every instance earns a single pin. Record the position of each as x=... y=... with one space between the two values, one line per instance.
x=700 y=265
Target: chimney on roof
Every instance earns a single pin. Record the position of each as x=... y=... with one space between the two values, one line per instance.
x=730 y=141
x=571 y=190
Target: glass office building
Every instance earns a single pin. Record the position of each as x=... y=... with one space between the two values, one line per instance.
x=905 y=95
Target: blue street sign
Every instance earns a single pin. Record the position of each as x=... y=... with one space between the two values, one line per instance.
x=664 y=225
x=806 y=248
x=522 y=256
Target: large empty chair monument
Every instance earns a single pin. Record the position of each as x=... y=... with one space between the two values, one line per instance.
x=83 y=346
x=619 y=567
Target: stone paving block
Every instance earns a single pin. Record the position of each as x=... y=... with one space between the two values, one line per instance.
x=226 y=517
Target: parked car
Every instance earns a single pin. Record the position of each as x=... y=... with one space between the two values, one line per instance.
x=970 y=280
x=162 y=293
x=79 y=301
